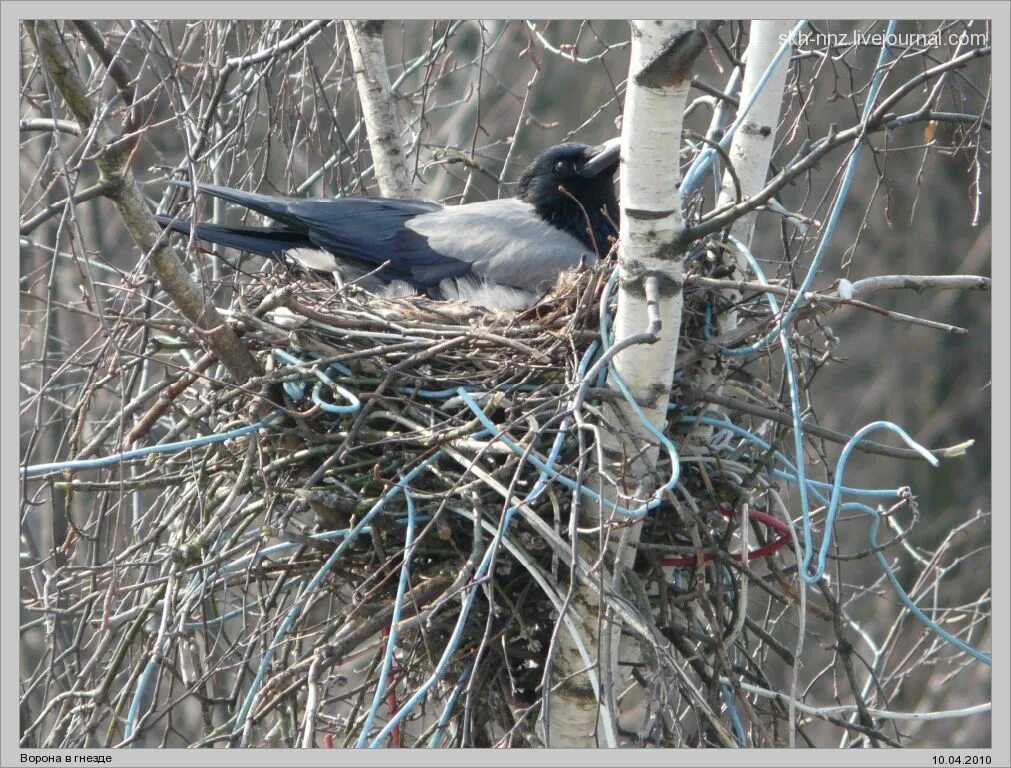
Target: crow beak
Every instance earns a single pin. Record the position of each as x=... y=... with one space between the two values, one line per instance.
x=604 y=159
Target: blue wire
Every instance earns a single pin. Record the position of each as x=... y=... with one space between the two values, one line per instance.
x=142 y=685
x=904 y=596
x=391 y=641
x=105 y=461
x=218 y=437
x=833 y=218
x=317 y=397
x=290 y=359
x=454 y=638
x=272 y=550
x=448 y=709
x=547 y=470
x=813 y=485
x=479 y=573
x=728 y=701
x=833 y=506
x=798 y=441
x=694 y=174
x=605 y=340
x=297 y=391
x=298 y=605
x=545 y=467
x=791 y=381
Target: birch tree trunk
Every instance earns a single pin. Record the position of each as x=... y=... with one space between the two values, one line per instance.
x=649 y=307
x=750 y=152
x=751 y=148
x=382 y=122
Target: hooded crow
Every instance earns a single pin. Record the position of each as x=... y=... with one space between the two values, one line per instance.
x=498 y=253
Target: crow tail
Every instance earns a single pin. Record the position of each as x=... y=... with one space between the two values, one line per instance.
x=272 y=242
x=272 y=207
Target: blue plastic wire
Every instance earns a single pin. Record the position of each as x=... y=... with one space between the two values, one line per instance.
x=317 y=397
x=139 y=453
x=696 y=171
x=391 y=641
x=833 y=219
x=605 y=341
x=814 y=486
x=833 y=506
x=299 y=604
x=290 y=359
x=798 y=441
x=296 y=390
x=454 y=640
x=546 y=467
x=547 y=472
x=907 y=601
x=728 y=701
x=273 y=550
x=800 y=466
x=448 y=709
x=143 y=683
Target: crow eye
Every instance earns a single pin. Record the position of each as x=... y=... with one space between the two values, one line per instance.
x=563 y=166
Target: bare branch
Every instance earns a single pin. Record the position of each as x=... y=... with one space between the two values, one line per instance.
x=118 y=184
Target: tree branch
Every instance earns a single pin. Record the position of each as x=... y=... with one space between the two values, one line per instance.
x=120 y=187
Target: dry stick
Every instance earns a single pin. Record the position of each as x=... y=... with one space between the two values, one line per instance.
x=659 y=77
x=44 y=124
x=165 y=401
x=312 y=702
x=122 y=190
x=283 y=46
x=867 y=446
x=868 y=285
x=859 y=288
x=355 y=632
x=114 y=67
x=725 y=215
x=55 y=209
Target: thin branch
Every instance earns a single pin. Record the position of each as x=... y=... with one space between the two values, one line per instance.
x=121 y=188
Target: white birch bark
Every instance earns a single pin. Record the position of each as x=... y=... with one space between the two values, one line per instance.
x=649 y=300
x=751 y=148
x=382 y=122
x=750 y=152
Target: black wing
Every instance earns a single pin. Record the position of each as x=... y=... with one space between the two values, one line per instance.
x=366 y=232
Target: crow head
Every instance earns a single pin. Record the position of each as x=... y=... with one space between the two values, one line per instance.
x=571 y=186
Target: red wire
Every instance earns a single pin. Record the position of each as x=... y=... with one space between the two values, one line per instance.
x=391 y=700
x=753 y=514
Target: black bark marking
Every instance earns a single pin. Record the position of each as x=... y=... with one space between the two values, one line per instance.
x=758 y=130
x=371 y=27
x=673 y=64
x=643 y=215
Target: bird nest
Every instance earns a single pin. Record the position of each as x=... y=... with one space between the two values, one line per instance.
x=412 y=464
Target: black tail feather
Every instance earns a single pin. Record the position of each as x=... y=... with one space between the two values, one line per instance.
x=272 y=207
x=272 y=242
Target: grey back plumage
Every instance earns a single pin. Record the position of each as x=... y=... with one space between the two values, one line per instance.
x=504 y=241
